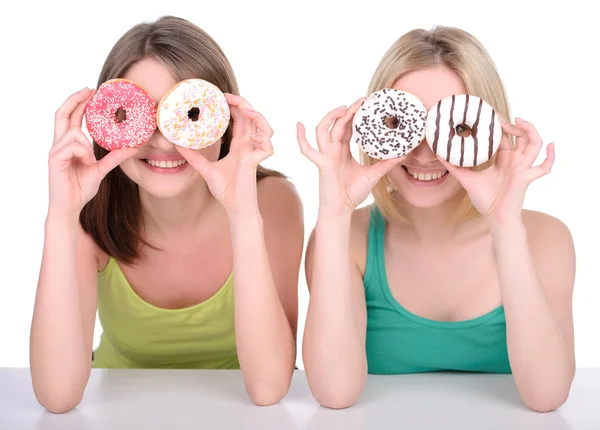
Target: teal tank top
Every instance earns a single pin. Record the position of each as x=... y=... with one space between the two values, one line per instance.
x=399 y=341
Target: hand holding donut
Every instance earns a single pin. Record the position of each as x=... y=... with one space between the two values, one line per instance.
x=74 y=172
x=232 y=180
x=343 y=182
x=498 y=192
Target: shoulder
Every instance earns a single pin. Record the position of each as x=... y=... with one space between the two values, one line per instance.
x=278 y=195
x=552 y=249
x=281 y=210
x=545 y=230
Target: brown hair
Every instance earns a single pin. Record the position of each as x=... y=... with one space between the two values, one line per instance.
x=461 y=52
x=113 y=217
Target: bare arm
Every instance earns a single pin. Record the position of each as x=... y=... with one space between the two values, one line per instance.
x=334 y=337
x=65 y=304
x=536 y=283
x=266 y=259
x=64 y=316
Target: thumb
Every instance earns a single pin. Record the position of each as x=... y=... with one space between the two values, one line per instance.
x=196 y=160
x=113 y=159
x=376 y=171
x=460 y=173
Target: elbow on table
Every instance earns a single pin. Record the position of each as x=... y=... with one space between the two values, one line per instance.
x=59 y=401
x=268 y=393
x=339 y=400
x=336 y=395
x=547 y=402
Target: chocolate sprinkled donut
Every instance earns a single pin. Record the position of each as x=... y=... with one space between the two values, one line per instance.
x=389 y=124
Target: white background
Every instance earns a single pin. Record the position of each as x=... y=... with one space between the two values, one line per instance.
x=296 y=62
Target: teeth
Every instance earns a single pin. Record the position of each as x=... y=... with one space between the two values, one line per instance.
x=427 y=176
x=166 y=164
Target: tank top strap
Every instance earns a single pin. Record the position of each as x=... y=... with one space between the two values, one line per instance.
x=375 y=247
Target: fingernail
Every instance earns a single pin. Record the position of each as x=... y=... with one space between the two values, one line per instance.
x=341 y=107
x=83 y=89
x=520 y=119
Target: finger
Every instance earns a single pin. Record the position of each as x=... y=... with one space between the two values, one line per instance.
x=63 y=114
x=197 y=160
x=75 y=136
x=68 y=152
x=305 y=148
x=534 y=141
x=323 y=136
x=74 y=133
x=519 y=134
x=265 y=149
x=76 y=119
x=238 y=121
x=113 y=159
x=505 y=143
x=340 y=128
x=237 y=101
x=376 y=171
x=544 y=168
x=241 y=103
x=460 y=173
x=259 y=120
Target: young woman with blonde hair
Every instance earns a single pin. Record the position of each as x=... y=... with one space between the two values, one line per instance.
x=447 y=275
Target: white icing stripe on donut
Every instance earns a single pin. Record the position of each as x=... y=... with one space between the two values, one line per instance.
x=213 y=114
x=376 y=139
x=452 y=111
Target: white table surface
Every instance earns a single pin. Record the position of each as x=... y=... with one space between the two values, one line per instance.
x=216 y=399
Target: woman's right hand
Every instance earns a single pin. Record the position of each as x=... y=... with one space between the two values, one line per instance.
x=343 y=182
x=74 y=172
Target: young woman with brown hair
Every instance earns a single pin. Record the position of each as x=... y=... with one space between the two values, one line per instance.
x=155 y=251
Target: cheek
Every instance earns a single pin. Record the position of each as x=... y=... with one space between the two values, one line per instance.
x=130 y=167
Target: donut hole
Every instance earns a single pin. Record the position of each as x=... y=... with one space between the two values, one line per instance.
x=194 y=114
x=391 y=122
x=463 y=130
x=120 y=115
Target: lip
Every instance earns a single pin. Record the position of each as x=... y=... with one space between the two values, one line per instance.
x=419 y=183
x=163 y=170
x=422 y=170
x=162 y=157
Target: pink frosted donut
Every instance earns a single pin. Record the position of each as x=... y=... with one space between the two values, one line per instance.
x=121 y=114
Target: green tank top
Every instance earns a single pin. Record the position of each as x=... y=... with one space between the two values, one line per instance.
x=399 y=341
x=137 y=334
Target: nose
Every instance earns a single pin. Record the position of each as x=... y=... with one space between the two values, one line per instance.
x=423 y=153
x=159 y=141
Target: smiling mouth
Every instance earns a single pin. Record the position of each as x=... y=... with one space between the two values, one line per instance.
x=425 y=177
x=162 y=164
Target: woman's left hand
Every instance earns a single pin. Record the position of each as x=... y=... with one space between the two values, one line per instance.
x=232 y=180
x=498 y=192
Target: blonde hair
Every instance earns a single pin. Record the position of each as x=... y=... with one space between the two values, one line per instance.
x=462 y=53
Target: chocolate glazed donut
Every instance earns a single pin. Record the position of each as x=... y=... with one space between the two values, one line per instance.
x=464 y=130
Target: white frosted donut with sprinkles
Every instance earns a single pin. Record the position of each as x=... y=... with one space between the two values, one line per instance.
x=464 y=130
x=193 y=114
x=121 y=114
x=389 y=124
